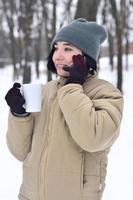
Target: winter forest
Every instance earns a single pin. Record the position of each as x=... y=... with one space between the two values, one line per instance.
x=27 y=28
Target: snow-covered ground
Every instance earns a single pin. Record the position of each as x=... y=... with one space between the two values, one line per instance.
x=120 y=168
x=119 y=180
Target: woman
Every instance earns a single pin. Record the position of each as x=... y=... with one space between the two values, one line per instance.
x=64 y=148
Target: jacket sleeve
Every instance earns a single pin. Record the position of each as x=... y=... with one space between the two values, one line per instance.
x=93 y=123
x=19 y=135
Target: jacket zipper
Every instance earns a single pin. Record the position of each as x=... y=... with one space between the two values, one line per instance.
x=42 y=171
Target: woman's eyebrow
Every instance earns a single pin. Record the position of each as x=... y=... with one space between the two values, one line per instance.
x=68 y=44
x=65 y=44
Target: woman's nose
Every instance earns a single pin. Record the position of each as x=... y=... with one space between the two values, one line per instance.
x=58 y=55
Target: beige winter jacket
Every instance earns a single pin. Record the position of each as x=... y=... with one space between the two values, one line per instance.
x=64 y=148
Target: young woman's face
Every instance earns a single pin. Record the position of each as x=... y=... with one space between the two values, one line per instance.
x=62 y=56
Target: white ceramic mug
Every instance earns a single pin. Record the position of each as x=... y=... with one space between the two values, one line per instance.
x=32 y=93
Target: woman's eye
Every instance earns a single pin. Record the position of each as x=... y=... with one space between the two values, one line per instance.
x=68 y=49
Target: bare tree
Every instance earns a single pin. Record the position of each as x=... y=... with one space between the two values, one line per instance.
x=128 y=11
x=38 y=32
x=50 y=25
x=9 y=10
x=87 y=9
x=67 y=13
x=19 y=17
x=107 y=18
x=116 y=17
x=119 y=22
x=25 y=22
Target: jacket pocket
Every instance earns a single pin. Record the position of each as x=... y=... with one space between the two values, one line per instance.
x=93 y=187
x=94 y=175
x=27 y=188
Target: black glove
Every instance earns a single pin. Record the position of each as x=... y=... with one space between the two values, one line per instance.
x=15 y=100
x=78 y=72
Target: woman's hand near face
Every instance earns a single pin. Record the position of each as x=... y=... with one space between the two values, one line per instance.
x=78 y=72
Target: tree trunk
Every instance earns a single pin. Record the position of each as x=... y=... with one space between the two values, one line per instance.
x=38 y=49
x=119 y=35
x=111 y=50
x=47 y=39
x=53 y=31
x=13 y=55
x=127 y=51
x=87 y=9
x=119 y=60
x=27 y=74
x=8 y=8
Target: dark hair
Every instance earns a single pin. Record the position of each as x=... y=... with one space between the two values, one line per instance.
x=50 y=63
x=92 y=65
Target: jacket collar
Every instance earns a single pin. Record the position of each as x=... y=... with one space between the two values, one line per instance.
x=61 y=79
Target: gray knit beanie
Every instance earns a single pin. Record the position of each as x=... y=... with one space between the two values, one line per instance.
x=86 y=36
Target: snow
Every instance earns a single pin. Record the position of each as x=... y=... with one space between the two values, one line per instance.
x=120 y=175
x=119 y=179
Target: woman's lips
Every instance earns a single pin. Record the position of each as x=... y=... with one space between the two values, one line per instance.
x=62 y=65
